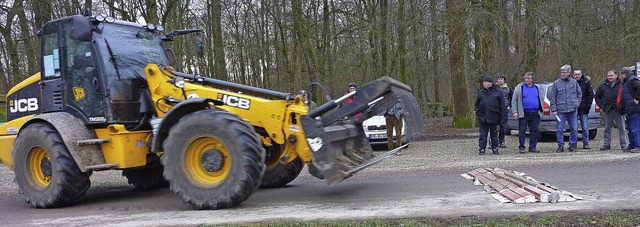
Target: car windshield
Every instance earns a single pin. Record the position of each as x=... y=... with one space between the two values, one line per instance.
x=133 y=48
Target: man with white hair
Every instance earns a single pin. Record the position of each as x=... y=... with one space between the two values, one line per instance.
x=565 y=96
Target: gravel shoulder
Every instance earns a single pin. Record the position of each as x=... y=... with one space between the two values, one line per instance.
x=444 y=147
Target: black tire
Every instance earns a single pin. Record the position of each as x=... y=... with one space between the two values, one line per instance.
x=280 y=175
x=147 y=177
x=276 y=174
x=593 y=133
x=234 y=159
x=45 y=171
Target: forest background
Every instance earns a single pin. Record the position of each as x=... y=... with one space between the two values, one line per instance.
x=441 y=48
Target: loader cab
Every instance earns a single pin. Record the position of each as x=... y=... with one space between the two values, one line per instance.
x=93 y=68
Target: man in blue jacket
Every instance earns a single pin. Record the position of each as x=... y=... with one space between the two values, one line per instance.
x=565 y=96
x=526 y=106
x=491 y=112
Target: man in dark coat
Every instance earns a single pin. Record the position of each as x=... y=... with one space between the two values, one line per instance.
x=609 y=99
x=585 y=105
x=491 y=112
x=631 y=99
x=507 y=93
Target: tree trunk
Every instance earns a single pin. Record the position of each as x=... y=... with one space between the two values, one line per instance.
x=42 y=12
x=302 y=32
x=456 y=36
x=151 y=15
x=218 y=44
x=31 y=51
x=530 y=57
x=402 y=42
x=384 y=71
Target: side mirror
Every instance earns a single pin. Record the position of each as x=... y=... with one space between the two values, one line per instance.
x=82 y=28
x=199 y=46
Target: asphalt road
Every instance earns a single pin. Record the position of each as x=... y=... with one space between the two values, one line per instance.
x=424 y=181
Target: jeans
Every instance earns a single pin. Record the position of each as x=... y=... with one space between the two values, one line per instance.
x=572 y=118
x=492 y=129
x=584 y=124
x=633 y=126
x=531 y=120
x=609 y=118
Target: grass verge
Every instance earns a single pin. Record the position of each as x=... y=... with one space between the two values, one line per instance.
x=616 y=218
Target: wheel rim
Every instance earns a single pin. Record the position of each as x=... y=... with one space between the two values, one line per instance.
x=207 y=161
x=40 y=167
x=273 y=156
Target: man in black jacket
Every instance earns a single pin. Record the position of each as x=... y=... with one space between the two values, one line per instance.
x=585 y=105
x=507 y=93
x=491 y=112
x=609 y=99
x=631 y=99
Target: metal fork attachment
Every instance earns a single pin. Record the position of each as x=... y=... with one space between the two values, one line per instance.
x=337 y=139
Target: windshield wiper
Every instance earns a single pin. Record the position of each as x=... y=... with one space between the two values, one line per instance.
x=112 y=57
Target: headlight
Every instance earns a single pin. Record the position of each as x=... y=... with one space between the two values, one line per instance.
x=159 y=28
x=100 y=18
x=151 y=26
x=110 y=19
x=178 y=82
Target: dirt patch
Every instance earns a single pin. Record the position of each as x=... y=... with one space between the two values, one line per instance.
x=442 y=129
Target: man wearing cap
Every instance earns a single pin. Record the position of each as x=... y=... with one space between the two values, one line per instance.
x=630 y=98
x=491 y=112
x=565 y=96
x=305 y=97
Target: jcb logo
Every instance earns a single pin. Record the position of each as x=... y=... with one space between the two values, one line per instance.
x=23 y=105
x=234 y=101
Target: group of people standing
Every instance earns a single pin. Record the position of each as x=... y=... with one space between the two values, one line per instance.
x=570 y=99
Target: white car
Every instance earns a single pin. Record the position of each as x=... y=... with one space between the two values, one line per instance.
x=375 y=128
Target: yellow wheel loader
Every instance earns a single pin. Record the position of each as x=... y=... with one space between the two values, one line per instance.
x=108 y=97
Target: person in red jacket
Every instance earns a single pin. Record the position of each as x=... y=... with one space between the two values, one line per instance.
x=352 y=87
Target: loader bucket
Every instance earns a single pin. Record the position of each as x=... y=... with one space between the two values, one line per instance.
x=339 y=145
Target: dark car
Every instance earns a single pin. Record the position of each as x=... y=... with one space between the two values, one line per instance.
x=548 y=121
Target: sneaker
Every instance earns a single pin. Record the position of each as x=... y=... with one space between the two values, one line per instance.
x=521 y=149
x=586 y=147
x=502 y=145
x=604 y=148
x=560 y=149
x=573 y=148
x=635 y=150
x=495 y=151
x=626 y=149
x=481 y=151
x=533 y=150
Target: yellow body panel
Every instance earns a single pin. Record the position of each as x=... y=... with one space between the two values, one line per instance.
x=279 y=118
x=24 y=83
x=126 y=148
x=8 y=133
